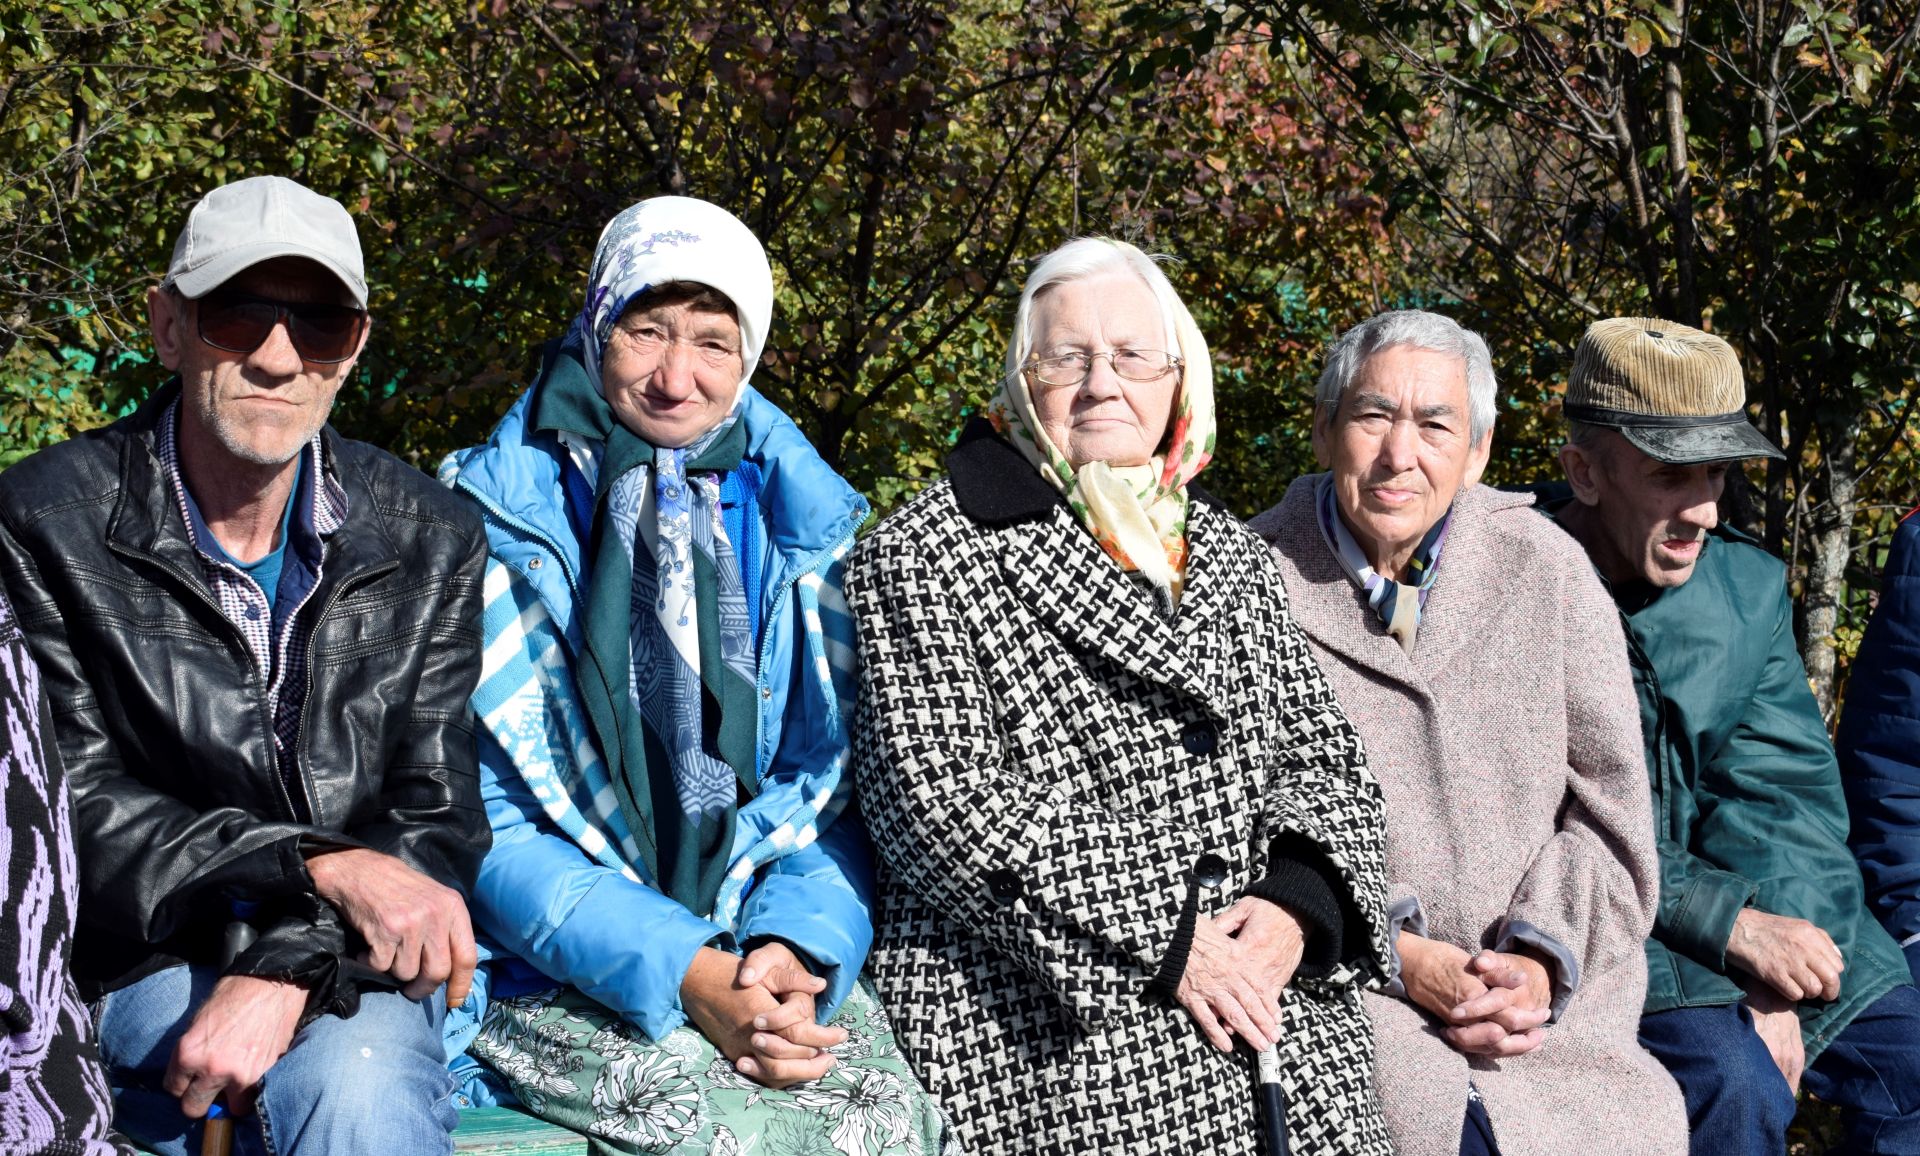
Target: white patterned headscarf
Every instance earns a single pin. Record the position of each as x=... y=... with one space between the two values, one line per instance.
x=668 y=239
x=1138 y=514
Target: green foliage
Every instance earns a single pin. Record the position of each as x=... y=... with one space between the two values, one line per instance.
x=1733 y=165
x=901 y=161
x=897 y=162
x=36 y=412
x=113 y=120
x=1524 y=167
x=1278 y=246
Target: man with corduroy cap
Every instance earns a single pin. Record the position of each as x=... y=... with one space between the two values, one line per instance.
x=259 y=639
x=1766 y=971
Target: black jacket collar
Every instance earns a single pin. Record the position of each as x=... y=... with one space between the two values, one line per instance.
x=996 y=486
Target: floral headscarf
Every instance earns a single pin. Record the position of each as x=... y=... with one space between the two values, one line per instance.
x=1138 y=514
x=669 y=239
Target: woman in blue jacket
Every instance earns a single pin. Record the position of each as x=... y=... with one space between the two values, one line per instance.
x=1879 y=746
x=677 y=901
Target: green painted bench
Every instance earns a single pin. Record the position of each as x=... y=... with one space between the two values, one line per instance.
x=505 y=1132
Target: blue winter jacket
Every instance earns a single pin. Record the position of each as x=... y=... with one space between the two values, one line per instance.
x=551 y=894
x=1879 y=743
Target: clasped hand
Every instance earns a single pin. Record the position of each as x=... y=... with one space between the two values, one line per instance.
x=1786 y=960
x=1238 y=970
x=1792 y=956
x=1492 y=1002
x=759 y=1011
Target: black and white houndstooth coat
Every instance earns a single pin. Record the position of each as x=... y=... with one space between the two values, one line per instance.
x=1057 y=776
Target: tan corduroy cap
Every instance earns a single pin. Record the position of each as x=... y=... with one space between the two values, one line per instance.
x=1673 y=391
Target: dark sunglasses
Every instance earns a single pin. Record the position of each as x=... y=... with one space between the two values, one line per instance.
x=241 y=323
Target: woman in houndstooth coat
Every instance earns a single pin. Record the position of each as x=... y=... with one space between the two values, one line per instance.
x=1127 y=837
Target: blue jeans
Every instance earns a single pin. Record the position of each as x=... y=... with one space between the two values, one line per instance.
x=375 y=1083
x=1738 y=1103
x=1476 y=1131
x=1872 y=1072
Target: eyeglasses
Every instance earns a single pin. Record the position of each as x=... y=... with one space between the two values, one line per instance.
x=241 y=323
x=1130 y=364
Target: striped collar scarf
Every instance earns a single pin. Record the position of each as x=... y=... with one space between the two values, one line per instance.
x=1399 y=604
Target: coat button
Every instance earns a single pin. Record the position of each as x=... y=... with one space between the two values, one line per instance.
x=1005 y=885
x=534 y=563
x=1210 y=871
x=1200 y=739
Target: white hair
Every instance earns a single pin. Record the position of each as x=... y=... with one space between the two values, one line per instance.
x=1077 y=260
x=1411 y=329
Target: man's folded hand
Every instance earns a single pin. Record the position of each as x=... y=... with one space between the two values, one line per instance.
x=1794 y=957
x=417 y=930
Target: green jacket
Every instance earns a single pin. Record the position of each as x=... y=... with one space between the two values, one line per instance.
x=1746 y=792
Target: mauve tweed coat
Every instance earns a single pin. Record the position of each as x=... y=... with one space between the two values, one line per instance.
x=1508 y=747
x=1048 y=766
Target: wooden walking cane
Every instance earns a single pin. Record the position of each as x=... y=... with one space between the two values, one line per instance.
x=216 y=1138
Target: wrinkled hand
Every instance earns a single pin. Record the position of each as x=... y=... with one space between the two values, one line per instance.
x=1779 y=1027
x=728 y=1013
x=417 y=930
x=1272 y=935
x=1435 y=974
x=1505 y=1021
x=789 y=1032
x=1794 y=957
x=1526 y=978
x=1222 y=989
x=243 y=1029
x=1486 y=1001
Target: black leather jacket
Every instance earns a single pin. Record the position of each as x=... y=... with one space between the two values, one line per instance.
x=164 y=723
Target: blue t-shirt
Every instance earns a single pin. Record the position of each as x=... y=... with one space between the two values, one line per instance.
x=266 y=571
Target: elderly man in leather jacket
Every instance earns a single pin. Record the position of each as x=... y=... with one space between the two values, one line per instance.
x=259 y=640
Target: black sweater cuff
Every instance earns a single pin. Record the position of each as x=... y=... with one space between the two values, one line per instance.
x=1302 y=879
x=1173 y=965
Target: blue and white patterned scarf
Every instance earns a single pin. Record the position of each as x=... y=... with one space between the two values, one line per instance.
x=1399 y=604
x=668 y=635
x=664 y=516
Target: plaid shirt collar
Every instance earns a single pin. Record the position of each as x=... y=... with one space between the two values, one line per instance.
x=271 y=629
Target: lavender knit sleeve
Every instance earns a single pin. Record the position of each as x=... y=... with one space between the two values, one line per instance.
x=53 y=1093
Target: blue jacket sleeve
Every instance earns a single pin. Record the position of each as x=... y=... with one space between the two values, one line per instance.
x=1879 y=744
x=819 y=899
x=581 y=923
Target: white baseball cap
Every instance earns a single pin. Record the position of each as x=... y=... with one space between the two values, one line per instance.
x=237 y=226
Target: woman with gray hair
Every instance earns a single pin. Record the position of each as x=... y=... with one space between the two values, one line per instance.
x=1483 y=664
x=1127 y=838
